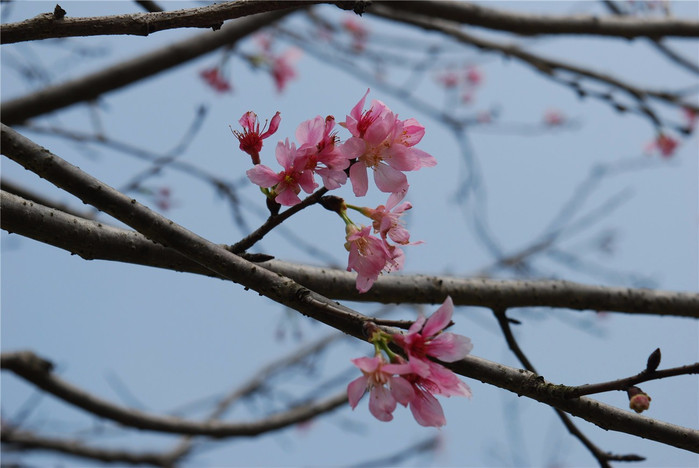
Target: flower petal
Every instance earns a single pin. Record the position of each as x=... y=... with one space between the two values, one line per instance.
x=439 y=319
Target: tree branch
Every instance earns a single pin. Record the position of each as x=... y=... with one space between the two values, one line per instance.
x=38 y=371
x=95 y=240
x=531 y=24
x=91 y=86
x=25 y=440
x=48 y=26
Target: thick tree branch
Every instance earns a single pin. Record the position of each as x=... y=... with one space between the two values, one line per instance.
x=48 y=26
x=91 y=86
x=95 y=240
x=532 y=24
x=39 y=372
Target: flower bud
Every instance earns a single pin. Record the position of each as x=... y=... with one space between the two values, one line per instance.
x=639 y=401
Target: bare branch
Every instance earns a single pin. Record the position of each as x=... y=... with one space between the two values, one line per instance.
x=545 y=65
x=94 y=240
x=48 y=26
x=625 y=383
x=531 y=24
x=25 y=440
x=90 y=87
x=38 y=371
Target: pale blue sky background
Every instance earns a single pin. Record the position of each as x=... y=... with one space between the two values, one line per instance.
x=175 y=338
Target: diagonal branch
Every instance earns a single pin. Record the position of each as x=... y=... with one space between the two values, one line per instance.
x=533 y=24
x=95 y=240
x=50 y=25
x=122 y=74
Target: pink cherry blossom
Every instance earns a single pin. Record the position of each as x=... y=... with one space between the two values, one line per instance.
x=288 y=183
x=318 y=145
x=554 y=118
x=691 y=116
x=387 y=223
x=251 y=139
x=358 y=31
x=214 y=78
x=385 y=144
x=386 y=389
x=368 y=256
x=664 y=144
x=426 y=337
x=283 y=67
x=474 y=75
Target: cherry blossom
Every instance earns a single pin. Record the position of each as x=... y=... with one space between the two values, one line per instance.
x=386 y=389
x=387 y=223
x=283 y=67
x=385 y=144
x=691 y=116
x=318 y=145
x=368 y=256
x=251 y=139
x=287 y=184
x=554 y=118
x=664 y=144
x=214 y=78
x=426 y=337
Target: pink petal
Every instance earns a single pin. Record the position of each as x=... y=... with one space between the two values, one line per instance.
x=402 y=390
x=439 y=319
x=359 y=179
x=263 y=176
x=287 y=197
x=426 y=410
x=381 y=403
x=388 y=179
x=449 y=347
x=356 y=389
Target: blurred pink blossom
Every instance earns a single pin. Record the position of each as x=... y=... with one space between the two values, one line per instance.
x=283 y=67
x=664 y=144
x=554 y=117
x=214 y=78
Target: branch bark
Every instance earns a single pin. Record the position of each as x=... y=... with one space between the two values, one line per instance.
x=36 y=370
x=531 y=24
x=91 y=86
x=48 y=26
x=96 y=240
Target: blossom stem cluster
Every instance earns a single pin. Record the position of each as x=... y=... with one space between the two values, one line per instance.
x=379 y=142
x=413 y=382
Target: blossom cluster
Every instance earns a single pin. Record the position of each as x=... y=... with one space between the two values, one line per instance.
x=415 y=381
x=379 y=141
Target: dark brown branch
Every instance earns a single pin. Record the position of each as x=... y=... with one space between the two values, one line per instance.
x=625 y=383
x=545 y=65
x=25 y=440
x=164 y=231
x=600 y=455
x=47 y=26
x=533 y=24
x=94 y=240
x=90 y=87
x=38 y=371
